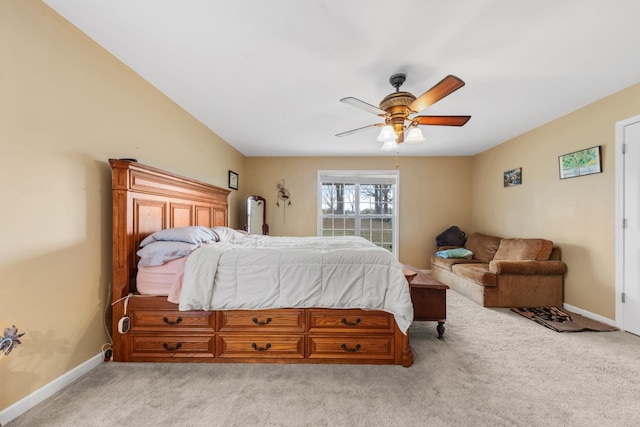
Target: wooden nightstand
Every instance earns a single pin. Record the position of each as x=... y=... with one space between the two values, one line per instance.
x=429 y=297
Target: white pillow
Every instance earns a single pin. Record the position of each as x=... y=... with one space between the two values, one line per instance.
x=161 y=252
x=226 y=234
x=193 y=234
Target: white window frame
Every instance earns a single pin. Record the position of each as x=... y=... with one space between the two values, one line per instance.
x=363 y=177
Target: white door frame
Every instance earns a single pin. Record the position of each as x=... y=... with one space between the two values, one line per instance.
x=619 y=258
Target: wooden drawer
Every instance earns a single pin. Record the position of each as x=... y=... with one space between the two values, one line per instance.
x=260 y=346
x=170 y=320
x=349 y=321
x=179 y=346
x=288 y=320
x=372 y=347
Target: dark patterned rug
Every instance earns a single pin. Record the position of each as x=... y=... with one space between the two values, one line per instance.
x=562 y=320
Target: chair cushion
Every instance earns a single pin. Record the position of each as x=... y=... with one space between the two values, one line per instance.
x=476 y=272
x=524 y=249
x=484 y=247
x=447 y=263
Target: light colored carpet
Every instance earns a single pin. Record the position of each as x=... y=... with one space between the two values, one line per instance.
x=493 y=368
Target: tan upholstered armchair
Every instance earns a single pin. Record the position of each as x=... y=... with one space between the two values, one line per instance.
x=504 y=272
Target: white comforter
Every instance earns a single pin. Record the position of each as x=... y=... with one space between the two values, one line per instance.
x=262 y=272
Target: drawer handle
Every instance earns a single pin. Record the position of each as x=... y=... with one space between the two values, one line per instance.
x=266 y=322
x=170 y=322
x=166 y=346
x=350 y=350
x=356 y=323
x=255 y=347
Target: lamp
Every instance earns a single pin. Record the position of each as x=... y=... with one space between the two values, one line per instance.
x=389 y=145
x=415 y=136
x=387 y=134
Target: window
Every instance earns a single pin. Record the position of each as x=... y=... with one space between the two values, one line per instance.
x=359 y=203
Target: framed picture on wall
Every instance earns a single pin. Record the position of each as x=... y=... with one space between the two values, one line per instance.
x=579 y=163
x=512 y=177
x=233 y=180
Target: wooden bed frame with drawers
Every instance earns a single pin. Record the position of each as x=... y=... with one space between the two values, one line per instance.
x=146 y=199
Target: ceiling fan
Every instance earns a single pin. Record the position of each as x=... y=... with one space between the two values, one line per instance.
x=396 y=109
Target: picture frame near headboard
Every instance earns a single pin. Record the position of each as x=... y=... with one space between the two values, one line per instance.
x=233 y=180
x=580 y=163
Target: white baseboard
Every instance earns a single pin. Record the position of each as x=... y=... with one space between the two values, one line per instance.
x=590 y=315
x=23 y=405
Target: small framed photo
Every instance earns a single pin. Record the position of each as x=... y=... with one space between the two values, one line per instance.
x=512 y=177
x=579 y=163
x=233 y=180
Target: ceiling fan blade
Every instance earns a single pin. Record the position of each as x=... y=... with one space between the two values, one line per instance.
x=363 y=105
x=443 y=88
x=442 y=120
x=349 y=132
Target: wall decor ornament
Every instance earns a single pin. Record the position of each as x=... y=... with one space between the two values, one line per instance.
x=579 y=163
x=10 y=339
x=233 y=180
x=512 y=177
x=285 y=197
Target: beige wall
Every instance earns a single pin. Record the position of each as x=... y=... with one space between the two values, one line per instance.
x=66 y=107
x=577 y=213
x=435 y=193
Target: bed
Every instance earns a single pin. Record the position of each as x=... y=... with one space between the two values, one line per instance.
x=147 y=200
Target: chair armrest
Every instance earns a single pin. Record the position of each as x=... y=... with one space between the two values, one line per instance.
x=528 y=267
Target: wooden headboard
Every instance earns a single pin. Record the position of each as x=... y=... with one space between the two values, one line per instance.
x=146 y=199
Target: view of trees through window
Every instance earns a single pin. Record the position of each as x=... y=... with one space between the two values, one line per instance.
x=359 y=209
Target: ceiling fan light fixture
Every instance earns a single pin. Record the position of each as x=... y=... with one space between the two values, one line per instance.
x=414 y=136
x=397 y=110
x=387 y=134
x=389 y=145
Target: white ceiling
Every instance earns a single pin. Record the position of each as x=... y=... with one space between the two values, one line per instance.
x=267 y=76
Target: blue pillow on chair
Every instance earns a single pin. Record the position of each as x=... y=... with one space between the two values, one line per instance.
x=455 y=253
